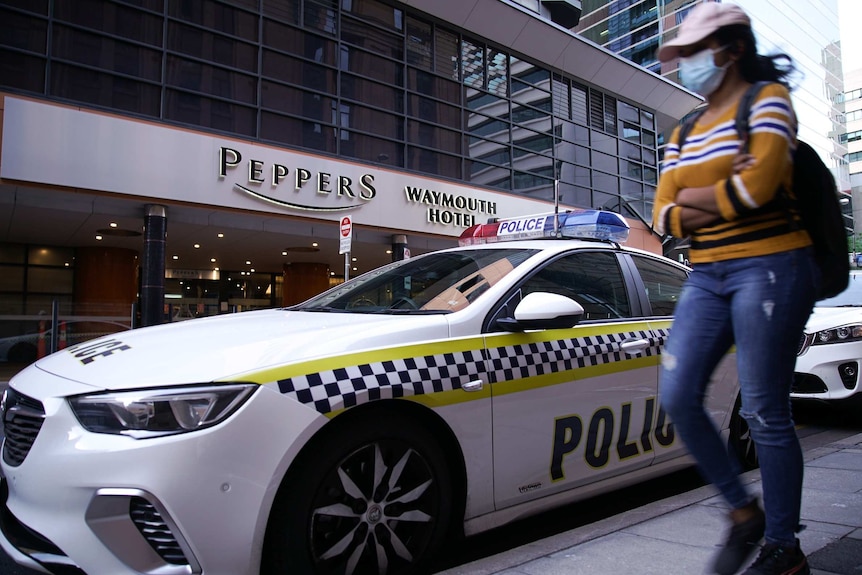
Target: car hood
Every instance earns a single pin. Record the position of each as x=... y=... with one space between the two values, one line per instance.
x=828 y=317
x=219 y=348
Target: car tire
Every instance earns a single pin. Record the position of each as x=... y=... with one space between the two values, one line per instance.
x=741 y=442
x=374 y=497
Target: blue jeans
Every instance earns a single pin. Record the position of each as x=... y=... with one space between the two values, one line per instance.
x=761 y=304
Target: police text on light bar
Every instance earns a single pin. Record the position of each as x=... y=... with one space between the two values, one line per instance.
x=577 y=224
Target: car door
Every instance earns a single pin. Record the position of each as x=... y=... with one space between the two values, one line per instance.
x=660 y=282
x=572 y=406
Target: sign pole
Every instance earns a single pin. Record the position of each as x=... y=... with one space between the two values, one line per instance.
x=345 y=233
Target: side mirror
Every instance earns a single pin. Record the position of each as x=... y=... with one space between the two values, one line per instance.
x=541 y=310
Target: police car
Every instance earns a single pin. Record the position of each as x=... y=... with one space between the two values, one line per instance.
x=354 y=433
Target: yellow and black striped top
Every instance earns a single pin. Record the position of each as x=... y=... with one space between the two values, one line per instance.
x=754 y=216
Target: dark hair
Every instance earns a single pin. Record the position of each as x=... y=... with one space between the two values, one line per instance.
x=754 y=67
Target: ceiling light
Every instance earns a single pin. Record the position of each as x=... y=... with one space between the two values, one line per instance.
x=284 y=252
x=252 y=269
x=197 y=246
x=98 y=237
x=212 y=260
x=176 y=257
x=247 y=262
x=113 y=224
x=221 y=235
x=354 y=259
x=354 y=269
x=388 y=251
x=314 y=244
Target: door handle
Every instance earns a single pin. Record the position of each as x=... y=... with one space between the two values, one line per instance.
x=634 y=346
x=475 y=385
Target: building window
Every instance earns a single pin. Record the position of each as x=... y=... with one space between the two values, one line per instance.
x=850 y=137
x=362 y=79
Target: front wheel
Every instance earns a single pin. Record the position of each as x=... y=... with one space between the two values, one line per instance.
x=372 y=499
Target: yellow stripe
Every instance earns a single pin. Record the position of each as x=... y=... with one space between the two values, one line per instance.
x=368 y=356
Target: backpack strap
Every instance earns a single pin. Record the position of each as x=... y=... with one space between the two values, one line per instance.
x=686 y=128
x=743 y=112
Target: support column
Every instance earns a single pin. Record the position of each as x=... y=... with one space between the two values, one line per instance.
x=399 y=247
x=153 y=265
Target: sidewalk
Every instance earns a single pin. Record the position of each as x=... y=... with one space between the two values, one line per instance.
x=678 y=536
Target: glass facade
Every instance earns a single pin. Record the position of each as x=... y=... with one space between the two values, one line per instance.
x=808 y=32
x=358 y=79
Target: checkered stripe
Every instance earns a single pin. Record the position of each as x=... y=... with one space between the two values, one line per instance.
x=348 y=386
x=529 y=360
x=662 y=338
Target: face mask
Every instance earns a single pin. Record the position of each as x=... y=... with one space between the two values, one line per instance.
x=699 y=73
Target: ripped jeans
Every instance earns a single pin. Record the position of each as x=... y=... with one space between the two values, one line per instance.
x=761 y=304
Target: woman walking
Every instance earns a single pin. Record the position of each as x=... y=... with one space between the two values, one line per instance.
x=753 y=282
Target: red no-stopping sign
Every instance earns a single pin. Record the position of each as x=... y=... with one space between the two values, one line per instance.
x=346 y=234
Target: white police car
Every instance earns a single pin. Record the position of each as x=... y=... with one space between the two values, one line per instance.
x=350 y=434
x=827 y=363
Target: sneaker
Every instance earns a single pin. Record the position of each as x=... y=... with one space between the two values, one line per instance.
x=778 y=560
x=741 y=542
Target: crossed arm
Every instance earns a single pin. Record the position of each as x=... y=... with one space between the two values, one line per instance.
x=699 y=205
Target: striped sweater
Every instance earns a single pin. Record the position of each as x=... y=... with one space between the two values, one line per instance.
x=754 y=219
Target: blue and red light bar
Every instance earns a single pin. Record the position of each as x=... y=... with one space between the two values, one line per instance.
x=576 y=224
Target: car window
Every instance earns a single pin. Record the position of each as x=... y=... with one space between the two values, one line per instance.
x=850 y=297
x=441 y=282
x=593 y=279
x=663 y=283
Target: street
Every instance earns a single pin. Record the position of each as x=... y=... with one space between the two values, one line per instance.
x=817 y=425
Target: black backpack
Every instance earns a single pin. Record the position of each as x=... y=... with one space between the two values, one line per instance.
x=816 y=201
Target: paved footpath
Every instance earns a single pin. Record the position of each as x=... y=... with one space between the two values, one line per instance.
x=678 y=535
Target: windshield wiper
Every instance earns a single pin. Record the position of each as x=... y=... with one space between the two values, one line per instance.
x=407 y=311
x=321 y=308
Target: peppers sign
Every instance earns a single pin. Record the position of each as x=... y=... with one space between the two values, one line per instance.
x=345 y=234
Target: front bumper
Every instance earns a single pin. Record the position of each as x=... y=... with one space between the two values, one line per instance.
x=193 y=503
x=828 y=372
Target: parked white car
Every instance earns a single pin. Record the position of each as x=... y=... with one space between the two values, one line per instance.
x=827 y=366
x=351 y=434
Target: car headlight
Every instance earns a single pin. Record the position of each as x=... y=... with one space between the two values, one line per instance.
x=838 y=335
x=157 y=412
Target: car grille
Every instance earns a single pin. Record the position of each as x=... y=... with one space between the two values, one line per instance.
x=22 y=420
x=804 y=343
x=152 y=526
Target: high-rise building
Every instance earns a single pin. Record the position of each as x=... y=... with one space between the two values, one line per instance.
x=808 y=32
x=851 y=100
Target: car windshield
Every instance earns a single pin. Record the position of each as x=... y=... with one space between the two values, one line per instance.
x=850 y=297
x=441 y=282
